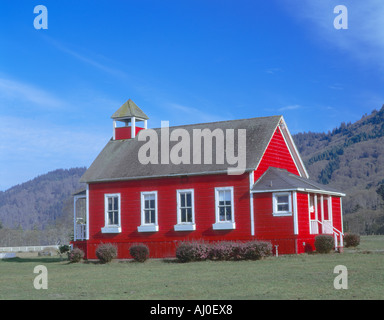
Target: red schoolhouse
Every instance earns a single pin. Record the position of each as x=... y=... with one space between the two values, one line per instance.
x=128 y=200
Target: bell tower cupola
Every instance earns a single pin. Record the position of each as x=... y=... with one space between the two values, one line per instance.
x=125 y=119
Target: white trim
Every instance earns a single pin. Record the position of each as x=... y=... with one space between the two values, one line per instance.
x=341 y=215
x=251 y=211
x=284 y=128
x=295 y=214
x=111 y=228
x=87 y=212
x=301 y=190
x=224 y=225
x=114 y=129
x=309 y=213
x=133 y=127
x=185 y=226
x=75 y=199
x=148 y=227
x=275 y=211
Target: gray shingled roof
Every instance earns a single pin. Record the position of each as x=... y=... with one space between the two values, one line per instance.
x=119 y=159
x=129 y=109
x=275 y=179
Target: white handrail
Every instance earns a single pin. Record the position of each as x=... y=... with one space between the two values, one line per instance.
x=336 y=233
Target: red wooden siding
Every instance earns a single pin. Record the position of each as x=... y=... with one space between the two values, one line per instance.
x=277 y=155
x=304 y=237
x=124 y=132
x=204 y=194
x=336 y=213
x=278 y=230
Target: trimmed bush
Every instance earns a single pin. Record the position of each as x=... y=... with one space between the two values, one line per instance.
x=351 y=240
x=75 y=255
x=324 y=243
x=222 y=251
x=192 y=251
x=256 y=250
x=106 y=252
x=139 y=252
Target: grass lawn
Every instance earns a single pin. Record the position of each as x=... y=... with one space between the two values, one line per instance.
x=284 y=277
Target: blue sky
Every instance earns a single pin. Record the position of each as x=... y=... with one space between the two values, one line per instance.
x=181 y=61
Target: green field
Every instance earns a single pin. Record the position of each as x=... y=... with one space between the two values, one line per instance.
x=284 y=277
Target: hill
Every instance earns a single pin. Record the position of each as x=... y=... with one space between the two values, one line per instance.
x=351 y=158
x=41 y=202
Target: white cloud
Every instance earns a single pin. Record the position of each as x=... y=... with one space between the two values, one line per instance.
x=29 y=147
x=193 y=114
x=364 y=38
x=81 y=57
x=290 y=107
x=12 y=90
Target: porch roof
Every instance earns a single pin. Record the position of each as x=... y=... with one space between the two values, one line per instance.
x=276 y=180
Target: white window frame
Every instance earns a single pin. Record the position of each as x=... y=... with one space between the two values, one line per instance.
x=280 y=213
x=148 y=227
x=185 y=226
x=111 y=228
x=224 y=225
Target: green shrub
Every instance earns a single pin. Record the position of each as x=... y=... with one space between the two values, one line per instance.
x=139 y=252
x=106 y=252
x=64 y=249
x=351 y=240
x=223 y=250
x=75 y=255
x=256 y=250
x=185 y=252
x=324 y=243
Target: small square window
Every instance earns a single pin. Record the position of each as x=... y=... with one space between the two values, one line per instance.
x=282 y=204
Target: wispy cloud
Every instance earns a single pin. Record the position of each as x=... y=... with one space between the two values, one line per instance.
x=290 y=107
x=86 y=59
x=30 y=147
x=273 y=70
x=193 y=114
x=364 y=38
x=12 y=90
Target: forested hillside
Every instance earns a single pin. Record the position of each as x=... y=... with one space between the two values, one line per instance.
x=351 y=159
x=40 y=210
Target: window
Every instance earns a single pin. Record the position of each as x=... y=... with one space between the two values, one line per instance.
x=282 y=204
x=224 y=209
x=112 y=213
x=185 y=210
x=148 y=212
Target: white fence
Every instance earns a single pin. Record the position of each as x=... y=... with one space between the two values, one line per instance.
x=26 y=248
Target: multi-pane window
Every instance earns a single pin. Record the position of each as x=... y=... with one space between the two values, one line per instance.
x=149 y=221
x=185 y=206
x=149 y=208
x=225 y=205
x=185 y=210
x=282 y=203
x=224 y=209
x=113 y=210
x=112 y=213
